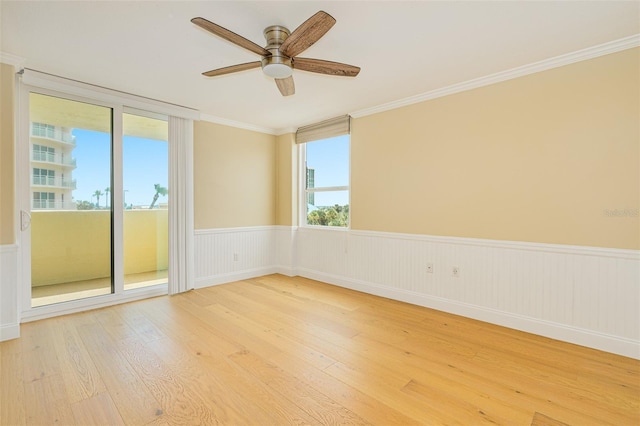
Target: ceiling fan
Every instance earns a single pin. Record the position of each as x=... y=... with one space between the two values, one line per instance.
x=280 y=55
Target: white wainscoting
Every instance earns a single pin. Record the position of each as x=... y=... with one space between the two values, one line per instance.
x=585 y=295
x=9 y=315
x=286 y=250
x=232 y=254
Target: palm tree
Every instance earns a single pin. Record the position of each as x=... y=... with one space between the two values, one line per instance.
x=160 y=190
x=97 y=194
x=106 y=197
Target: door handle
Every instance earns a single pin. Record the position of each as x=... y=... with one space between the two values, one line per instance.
x=25 y=220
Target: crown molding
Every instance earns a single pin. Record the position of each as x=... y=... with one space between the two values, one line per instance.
x=237 y=124
x=535 y=67
x=286 y=130
x=10 y=59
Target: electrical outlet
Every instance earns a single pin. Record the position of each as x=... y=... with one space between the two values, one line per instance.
x=430 y=268
x=235 y=257
x=455 y=272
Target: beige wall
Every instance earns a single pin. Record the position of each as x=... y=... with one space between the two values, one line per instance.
x=234 y=177
x=7 y=224
x=286 y=180
x=552 y=157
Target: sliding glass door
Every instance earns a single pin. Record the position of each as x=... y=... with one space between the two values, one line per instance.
x=145 y=156
x=99 y=197
x=70 y=163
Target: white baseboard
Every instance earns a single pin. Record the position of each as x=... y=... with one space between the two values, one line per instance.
x=288 y=271
x=9 y=331
x=9 y=292
x=582 y=337
x=228 y=277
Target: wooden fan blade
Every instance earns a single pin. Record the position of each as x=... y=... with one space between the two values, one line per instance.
x=232 y=68
x=286 y=86
x=230 y=36
x=325 y=67
x=306 y=34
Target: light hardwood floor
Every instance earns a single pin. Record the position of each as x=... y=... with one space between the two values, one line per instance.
x=278 y=351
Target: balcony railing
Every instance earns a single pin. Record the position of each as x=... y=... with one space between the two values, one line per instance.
x=53 y=205
x=52 y=133
x=48 y=157
x=53 y=181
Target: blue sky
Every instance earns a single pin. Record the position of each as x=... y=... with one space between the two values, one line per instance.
x=145 y=163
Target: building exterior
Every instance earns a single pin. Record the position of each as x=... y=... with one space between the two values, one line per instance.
x=311 y=199
x=52 y=166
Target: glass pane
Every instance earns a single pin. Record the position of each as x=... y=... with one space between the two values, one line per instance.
x=327 y=167
x=331 y=208
x=328 y=162
x=71 y=248
x=146 y=201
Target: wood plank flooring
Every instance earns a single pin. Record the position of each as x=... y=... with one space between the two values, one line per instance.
x=277 y=350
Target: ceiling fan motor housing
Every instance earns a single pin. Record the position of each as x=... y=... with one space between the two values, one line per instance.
x=276 y=65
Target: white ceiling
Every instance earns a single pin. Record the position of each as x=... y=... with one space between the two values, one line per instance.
x=150 y=48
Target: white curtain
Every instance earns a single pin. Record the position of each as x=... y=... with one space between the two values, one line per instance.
x=181 y=264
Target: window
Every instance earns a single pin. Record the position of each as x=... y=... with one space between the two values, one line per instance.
x=324 y=168
x=44 y=177
x=44 y=200
x=44 y=130
x=326 y=181
x=43 y=153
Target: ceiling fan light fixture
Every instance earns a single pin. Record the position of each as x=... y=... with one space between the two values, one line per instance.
x=276 y=70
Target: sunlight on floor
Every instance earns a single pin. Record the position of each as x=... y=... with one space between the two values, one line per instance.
x=65 y=292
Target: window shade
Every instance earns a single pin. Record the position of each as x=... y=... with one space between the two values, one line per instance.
x=324 y=129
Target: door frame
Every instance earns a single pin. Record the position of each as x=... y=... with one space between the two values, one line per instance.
x=23 y=203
